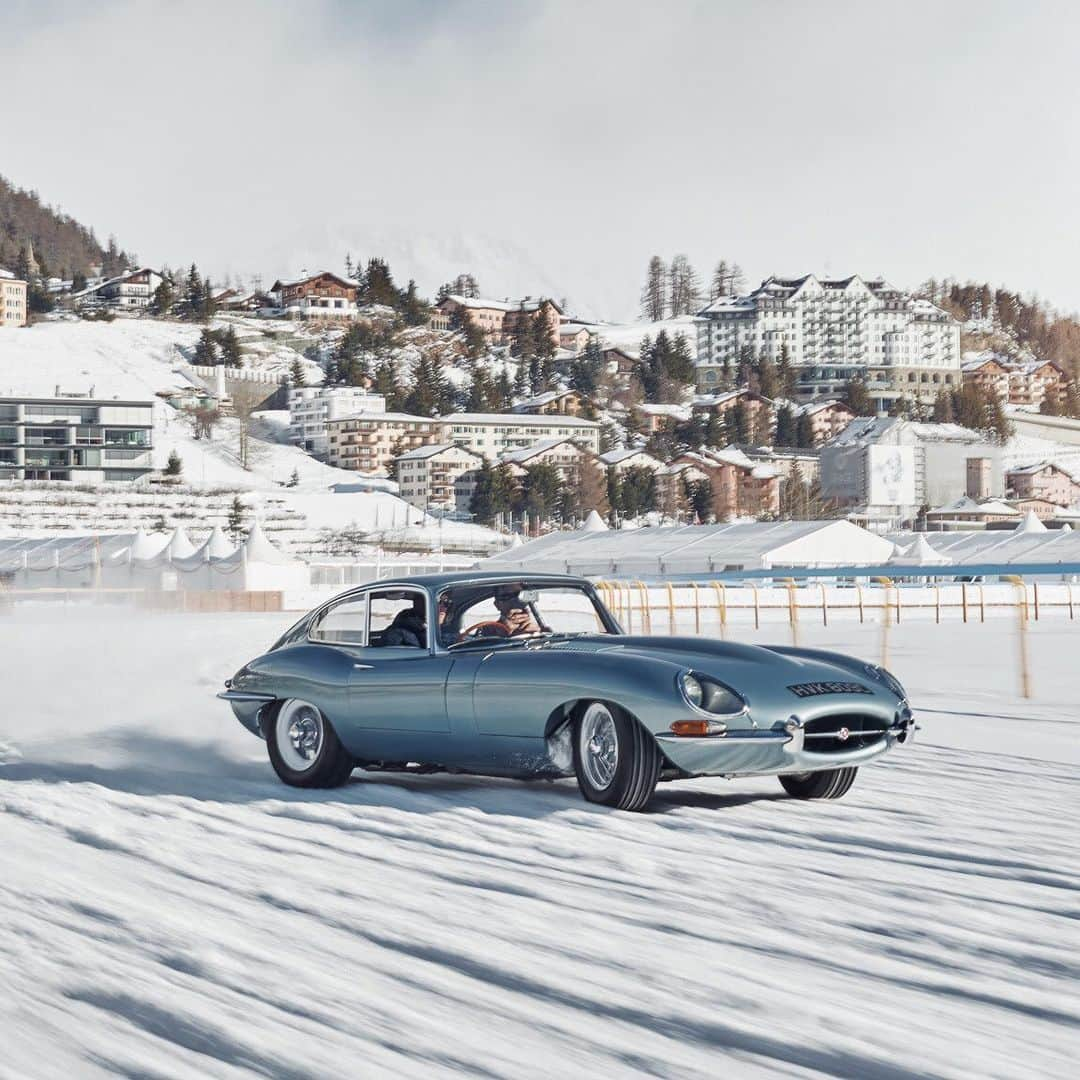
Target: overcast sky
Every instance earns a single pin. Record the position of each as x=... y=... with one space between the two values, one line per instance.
x=556 y=145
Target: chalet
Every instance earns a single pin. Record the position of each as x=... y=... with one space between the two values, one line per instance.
x=131 y=291
x=573 y=337
x=319 y=296
x=827 y=419
x=553 y=402
x=740 y=487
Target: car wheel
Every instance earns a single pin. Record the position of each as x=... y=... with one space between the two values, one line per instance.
x=829 y=784
x=304 y=748
x=616 y=761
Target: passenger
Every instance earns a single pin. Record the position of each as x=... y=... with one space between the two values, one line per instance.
x=409 y=627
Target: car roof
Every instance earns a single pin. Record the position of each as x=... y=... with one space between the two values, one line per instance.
x=476 y=577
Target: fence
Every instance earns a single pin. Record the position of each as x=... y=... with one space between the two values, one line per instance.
x=716 y=606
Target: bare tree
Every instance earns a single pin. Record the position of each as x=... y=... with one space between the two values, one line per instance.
x=654 y=295
x=203 y=419
x=246 y=400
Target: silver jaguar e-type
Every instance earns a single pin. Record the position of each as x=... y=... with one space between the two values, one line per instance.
x=530 y=676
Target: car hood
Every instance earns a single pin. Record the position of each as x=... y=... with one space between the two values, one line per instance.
x=743 y=667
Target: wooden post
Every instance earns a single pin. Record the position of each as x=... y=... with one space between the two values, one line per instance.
x=721 y=606
x=1021 y=629
x=697 y=609
x=858 y=593
x=757 y=606
x=671 y=608
x=937 y=603
x=963 y=598
x=793 y=612
x=886 y=620
x=824 y=606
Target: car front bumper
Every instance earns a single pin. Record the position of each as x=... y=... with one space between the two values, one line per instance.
x=787 y=749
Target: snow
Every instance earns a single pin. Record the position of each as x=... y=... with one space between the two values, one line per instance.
x=170 y=910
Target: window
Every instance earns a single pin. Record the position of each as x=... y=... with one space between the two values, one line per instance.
x=342 y=623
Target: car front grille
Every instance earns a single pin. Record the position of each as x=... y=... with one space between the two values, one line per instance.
x=839 y=734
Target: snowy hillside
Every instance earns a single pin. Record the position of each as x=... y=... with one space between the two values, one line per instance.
x=171 y=911
x=136 y=359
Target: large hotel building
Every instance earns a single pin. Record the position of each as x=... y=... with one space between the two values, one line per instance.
x=834 y=330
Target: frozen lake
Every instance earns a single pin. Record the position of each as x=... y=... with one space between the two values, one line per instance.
x=170 y=910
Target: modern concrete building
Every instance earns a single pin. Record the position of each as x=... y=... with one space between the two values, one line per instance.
x=81 y=439
x=833 y=330
x=13 y=303
x=310 y=407
x=892 y=467
x=440 y=476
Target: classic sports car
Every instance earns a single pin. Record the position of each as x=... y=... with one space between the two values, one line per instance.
x=530 y=676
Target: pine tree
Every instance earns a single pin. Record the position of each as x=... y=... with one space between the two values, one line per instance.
x=234 y=524
x=297 y=375
x=785 y=373
x=785 y=426
x=164 y=296
x=231 y=355
x=415 y=310
x=590 y=489
x=481 y=505
x=175 y=465
x=206 y=349
x=739 y=422
x=768 y=379
x=857 y=397
x=294 y=479
x=804 y=431
x=654 y=294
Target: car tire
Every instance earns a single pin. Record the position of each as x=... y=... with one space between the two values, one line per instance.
x=304 y=748
x=829 y=784
x=616 y=761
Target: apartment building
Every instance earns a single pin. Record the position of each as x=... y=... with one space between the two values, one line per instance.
x=13 y=303
x=441 y=476
x=310 y=407
x=371 y=442
x=834 y=330
x=131 y=291
x=740 y=486
x=1027 y=383
x=494 y=434
x=316 y=296
x=75 y=439
x=500 y=320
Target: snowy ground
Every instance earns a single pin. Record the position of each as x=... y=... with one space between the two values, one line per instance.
x=170 y=911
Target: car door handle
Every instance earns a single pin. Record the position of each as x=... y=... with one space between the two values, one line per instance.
x=363 y=667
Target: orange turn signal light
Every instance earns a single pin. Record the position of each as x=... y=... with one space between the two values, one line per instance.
x=690 y=727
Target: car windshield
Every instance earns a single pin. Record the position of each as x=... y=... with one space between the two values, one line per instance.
x=491 y=611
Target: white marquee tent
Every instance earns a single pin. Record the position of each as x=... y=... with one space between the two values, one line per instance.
x=698 y=549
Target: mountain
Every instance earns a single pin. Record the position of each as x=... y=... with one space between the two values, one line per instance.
x=31 y=231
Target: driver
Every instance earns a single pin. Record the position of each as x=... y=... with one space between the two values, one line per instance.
x=515 y=616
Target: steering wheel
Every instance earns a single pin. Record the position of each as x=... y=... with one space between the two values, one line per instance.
x=484 y=629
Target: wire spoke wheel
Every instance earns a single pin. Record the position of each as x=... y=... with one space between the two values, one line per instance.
x=599 y=745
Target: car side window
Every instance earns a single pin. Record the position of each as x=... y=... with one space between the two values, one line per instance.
x=342 y=623
x=398 y=618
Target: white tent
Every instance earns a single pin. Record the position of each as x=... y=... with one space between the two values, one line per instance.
x=918 y=553
x=594 y=523
x=179 y=545
x=1031 y=524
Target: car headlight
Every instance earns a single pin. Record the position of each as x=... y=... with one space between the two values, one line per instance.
x=882 y=675
x=709 y=696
